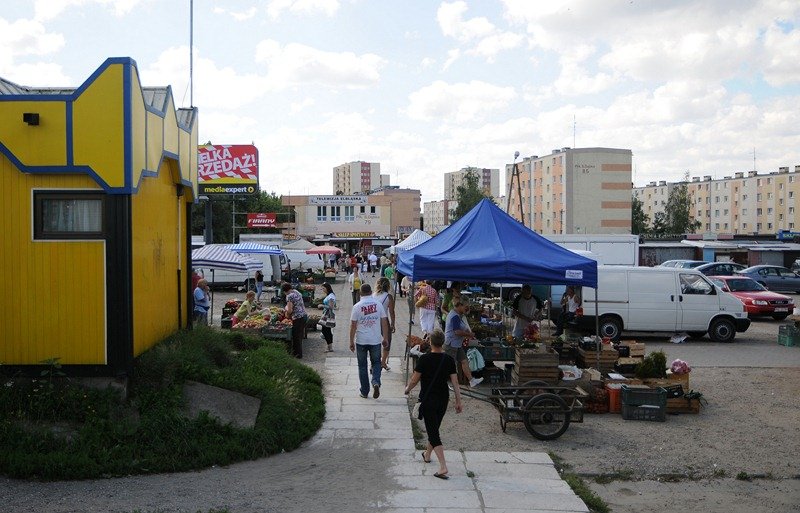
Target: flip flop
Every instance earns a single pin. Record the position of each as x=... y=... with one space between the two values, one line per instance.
x=441 y=476
x=423 y=457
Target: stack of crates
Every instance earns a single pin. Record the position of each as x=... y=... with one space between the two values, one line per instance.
x=643 y=403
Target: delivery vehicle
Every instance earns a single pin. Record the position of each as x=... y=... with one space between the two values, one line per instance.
x=661 y=299
x=756 y=298
x=299 y=260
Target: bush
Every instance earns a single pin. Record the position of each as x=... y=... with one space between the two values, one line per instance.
x=54 y=429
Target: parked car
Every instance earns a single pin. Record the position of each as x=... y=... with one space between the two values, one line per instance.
x=773 y=277
x=757 y=299
x=720 y=268
x=683 y=264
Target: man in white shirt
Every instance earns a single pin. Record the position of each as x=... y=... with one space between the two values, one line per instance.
x=369 y=328
x=526 y=306
x=373 y=263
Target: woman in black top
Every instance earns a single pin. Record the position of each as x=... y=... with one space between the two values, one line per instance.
x=435 y=369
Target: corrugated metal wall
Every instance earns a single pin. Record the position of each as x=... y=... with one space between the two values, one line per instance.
x=52 y=303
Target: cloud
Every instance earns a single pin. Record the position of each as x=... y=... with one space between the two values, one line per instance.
x=300 y=64
x=780 y=63
x=25 y=37
x=302 y=7
x=427 y=62
x=46 y=10
x=296 y=107
x=460 y=102
x=478 y=34
x=214 y=87
x=42 y=74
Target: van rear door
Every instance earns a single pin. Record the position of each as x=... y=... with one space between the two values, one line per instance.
x=698 y=302
x=653 y=302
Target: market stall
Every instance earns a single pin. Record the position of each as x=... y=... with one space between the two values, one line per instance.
x=218 y=256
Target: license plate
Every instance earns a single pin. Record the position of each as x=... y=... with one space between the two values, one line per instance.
x=781 y=309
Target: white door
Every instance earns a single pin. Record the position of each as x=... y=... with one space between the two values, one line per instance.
x=653 y=302
x=698 y=302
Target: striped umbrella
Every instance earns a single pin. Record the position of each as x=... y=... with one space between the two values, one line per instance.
x=217 y=256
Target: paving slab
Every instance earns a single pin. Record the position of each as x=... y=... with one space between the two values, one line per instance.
x=440 y=499
x=547 y=501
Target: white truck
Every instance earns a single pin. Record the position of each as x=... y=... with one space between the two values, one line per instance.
x=661 y=299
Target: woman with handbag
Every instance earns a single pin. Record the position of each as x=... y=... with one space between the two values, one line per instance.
x=435 y=369
x=385 y=298
x=328 y=319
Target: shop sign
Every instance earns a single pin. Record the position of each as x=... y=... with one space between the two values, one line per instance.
x=261 y=220
x=227 y=169
x=359 y=235
x=337 y=200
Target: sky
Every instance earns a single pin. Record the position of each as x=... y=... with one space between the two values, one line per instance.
x=427 y=87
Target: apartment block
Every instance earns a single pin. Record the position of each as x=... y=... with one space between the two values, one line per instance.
x=573 y=190
x=744 y=203
x=488 y=181
x=436 y=215
x=358 y=177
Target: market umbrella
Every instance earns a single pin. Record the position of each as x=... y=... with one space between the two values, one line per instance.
x=325 y=249
x=217 y=256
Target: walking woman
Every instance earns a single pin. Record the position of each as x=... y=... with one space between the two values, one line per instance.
x=328 y=315
x=435 y=369
x=296 y=311
x=355 y=283
x=385 y=298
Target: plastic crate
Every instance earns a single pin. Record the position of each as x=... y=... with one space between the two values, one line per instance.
x=644 y=412
x=497 y=352
x=614 y=397
x=272 y=333
x=636 y=396
x=788 y=335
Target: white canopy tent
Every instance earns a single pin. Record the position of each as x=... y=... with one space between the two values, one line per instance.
x=416 y=238
x=217 y=256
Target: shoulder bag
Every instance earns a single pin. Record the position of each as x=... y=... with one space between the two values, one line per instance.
x=422 y=301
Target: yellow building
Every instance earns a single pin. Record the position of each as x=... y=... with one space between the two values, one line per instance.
x=96 y=186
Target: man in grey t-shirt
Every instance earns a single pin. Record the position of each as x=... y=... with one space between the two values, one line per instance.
x=456 y=331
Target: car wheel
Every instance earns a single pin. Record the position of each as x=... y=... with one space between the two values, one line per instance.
x=696 y=334
x=722 y=330
x=780 y=317
x=610 y=327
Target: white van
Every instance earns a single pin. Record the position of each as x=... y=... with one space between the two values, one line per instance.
x=302 y=261
x=662 y=299
x=223 y=278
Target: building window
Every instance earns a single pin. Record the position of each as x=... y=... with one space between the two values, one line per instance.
x=744 y=211
x=744 y=197
x=791 y=210
x=758 y=197
x=769 y=210
x=758 y=227
x=791 y=194
x=371 y=210
x=716 y=199
x=716 y=213
x=363 y=209
x=336 y=214
x=769 y=195
x=725 y=212
x=759 y=211
x=769 y=226
x=780 y=217
x=68 y=215
x=744 y=226
x=349 y=213
x=769 y=180
x=758 y=182
x=322 y=214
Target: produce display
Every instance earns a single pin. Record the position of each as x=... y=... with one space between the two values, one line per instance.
x=274 y=321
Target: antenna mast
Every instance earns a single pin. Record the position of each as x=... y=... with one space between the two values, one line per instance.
x=191 y=53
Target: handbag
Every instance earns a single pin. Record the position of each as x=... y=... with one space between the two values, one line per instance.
x=417 y=410
x=328 y=319
x=422 y=301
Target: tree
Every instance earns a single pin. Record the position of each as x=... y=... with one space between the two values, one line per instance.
x=222 y=214
x=639 y=220
x=468 y=194
x=679 y=210
x=659 y=224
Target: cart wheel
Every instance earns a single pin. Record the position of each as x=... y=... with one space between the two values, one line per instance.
x=532 y=388
x=546 y=416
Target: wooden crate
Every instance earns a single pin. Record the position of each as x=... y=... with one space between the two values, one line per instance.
x=636 y=348
x=588 y=359
x=531 y=363
x=671 y=379
x=682 y=405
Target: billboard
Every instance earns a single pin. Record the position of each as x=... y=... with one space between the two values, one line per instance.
x=261 y=220
x=227 y=169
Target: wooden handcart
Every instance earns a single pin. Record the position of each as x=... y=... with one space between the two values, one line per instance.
x=546 y=410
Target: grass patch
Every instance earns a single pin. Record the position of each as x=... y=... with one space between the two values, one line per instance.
x=744 y=476
x=719 y=472
x=51 y=428
x=579 y=486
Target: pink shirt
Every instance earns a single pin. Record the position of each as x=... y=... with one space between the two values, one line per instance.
x=430 y=293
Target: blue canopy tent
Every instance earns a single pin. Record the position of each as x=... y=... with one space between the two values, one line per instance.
x=489 y=245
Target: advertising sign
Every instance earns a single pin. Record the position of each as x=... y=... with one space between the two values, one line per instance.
x=227 y=169
x=261 y=220
x=337 y=200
